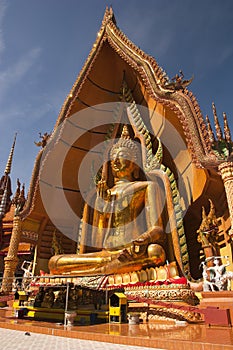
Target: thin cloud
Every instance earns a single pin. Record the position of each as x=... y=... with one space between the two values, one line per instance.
x=3 y=7
x=31 y=115
x=13 y=74
x=151 y=32
x=225 y=54
x=16 y=72
x=27 y=116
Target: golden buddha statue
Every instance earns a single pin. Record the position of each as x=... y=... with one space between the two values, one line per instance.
x=123 y=231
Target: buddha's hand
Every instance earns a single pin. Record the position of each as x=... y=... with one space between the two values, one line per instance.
x=143 y=239
x=139 y=245
x=103 y=190
x=153 y=235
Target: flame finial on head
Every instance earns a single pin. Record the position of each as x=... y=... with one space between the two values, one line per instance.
x=126 y=142
x=125 y=133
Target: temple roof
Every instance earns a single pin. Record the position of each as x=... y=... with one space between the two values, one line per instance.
x=112 y=60
x=113 y=57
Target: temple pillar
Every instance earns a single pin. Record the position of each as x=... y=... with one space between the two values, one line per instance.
x=11 y=260
x=226 y=171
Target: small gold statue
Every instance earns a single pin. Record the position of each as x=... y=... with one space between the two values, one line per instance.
x=60 y=300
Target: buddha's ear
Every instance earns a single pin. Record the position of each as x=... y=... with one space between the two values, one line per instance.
x=136 y=172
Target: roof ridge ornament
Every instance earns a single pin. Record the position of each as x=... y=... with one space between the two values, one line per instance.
x=44 y=140
x=109 y=15
x=178 y=82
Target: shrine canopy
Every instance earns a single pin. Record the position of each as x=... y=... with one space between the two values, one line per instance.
x=116 y=73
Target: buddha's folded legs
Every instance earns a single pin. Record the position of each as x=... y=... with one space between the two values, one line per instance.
x=104 y=262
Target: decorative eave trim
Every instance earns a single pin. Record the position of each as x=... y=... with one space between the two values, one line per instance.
x=184 y=104
x=66 y=107
x=77 y=86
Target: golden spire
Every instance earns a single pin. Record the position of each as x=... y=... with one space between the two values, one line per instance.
x=9 y=161
x=227 y=132
x=216 y=123
x=210 y=130
x=4 y=200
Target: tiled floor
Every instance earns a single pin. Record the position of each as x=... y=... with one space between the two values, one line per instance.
x=18 y=340
x=153 y=335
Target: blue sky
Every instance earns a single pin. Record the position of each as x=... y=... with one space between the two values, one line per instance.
x=44 y=44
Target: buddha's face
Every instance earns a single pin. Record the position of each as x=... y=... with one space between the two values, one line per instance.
x=121 y=163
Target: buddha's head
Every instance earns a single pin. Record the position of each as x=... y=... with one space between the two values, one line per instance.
x=124 y=155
